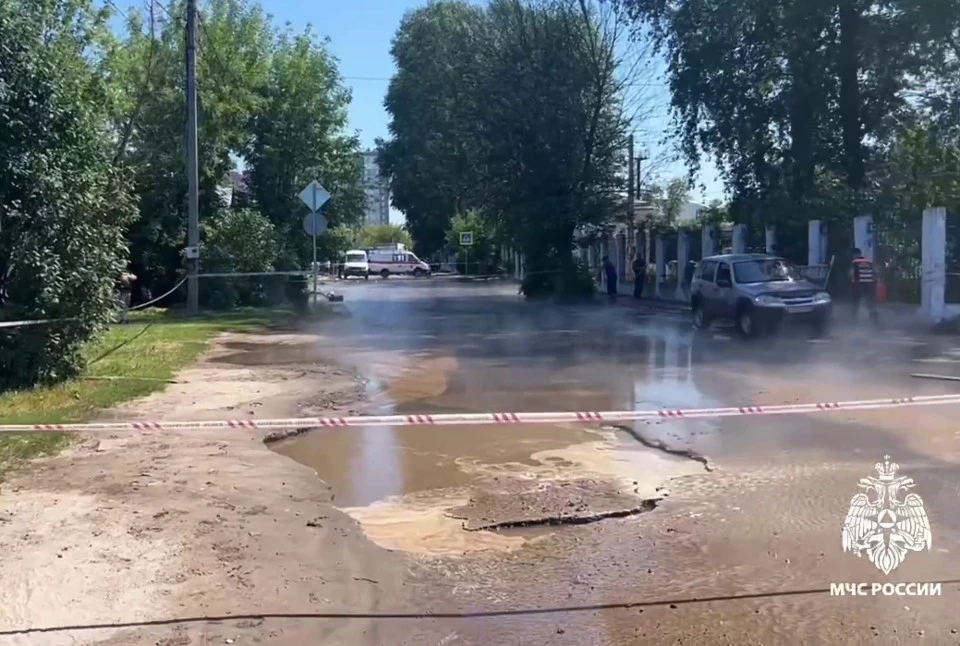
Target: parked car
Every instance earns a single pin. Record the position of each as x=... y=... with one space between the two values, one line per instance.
x=758 y=292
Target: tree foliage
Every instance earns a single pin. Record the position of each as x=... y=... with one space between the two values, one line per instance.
x=298 y=135
x=802 y=103
x=431 y=157
x=477 y=258
x=63 y=206
x=238 y=241
x=383 y=234
x=272 y=98
x=92 y=161
x=518 y=112
x=668 y=200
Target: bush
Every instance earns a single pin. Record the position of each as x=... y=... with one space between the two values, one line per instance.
x=239 y=241
x=63 y=205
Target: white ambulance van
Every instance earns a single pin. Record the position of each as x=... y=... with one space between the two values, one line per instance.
x=391 y=260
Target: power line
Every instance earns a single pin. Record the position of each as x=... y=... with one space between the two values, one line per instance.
x=387 y=79
x=120 y=11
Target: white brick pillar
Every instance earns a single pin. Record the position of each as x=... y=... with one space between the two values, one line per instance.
x=816 y=242
x=683 y=256
x=709 y=240
x=661 y=262
x=933 y=251
x=739 y=238
x=863 y=238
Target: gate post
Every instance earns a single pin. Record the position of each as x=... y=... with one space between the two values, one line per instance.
x=863 y=236
x=739 y=238
x=683 y=257
x=933 y=251
x=708 y=239
x=816 y=242
x=770 y=242
x=659 y=253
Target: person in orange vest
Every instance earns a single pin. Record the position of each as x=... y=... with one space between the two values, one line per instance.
x=863 y=280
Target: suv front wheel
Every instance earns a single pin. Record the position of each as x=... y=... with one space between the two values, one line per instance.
x=700 y=319
x=747 y=323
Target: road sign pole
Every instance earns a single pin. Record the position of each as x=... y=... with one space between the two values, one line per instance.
x=314 y=196
x=315 y=277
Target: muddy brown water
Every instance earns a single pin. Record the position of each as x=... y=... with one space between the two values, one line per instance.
x=432 y=351
x=405 y=484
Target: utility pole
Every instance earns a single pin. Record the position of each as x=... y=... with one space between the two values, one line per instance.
x=193 y=196
x=631 y=198
x=646 y=225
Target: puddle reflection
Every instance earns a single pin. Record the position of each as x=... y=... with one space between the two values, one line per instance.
x=572 y=369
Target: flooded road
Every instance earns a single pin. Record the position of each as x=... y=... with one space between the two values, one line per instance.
x=430 y=349
x=686 y=509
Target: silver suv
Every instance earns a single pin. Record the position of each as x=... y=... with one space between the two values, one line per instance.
x=758 y=292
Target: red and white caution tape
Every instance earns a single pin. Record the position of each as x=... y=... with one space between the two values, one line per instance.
x=473 y=419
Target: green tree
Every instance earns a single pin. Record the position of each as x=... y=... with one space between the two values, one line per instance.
x=669 y=199
x=794 y=100
x=238 y=241
x=477 y=258
x=554 y=125
x=235 y=38
x=519 y=112
x=383 y=234
x=298 y=134
x=63 y=205
x=431 y=158
x=335 y=242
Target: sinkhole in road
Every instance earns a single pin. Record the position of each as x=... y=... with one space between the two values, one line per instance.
x=458 y=489
x=454 y=490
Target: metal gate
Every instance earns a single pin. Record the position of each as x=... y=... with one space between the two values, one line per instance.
x=952 y=288
x=756 y=239
x=694 y=244
x=897 y=257
x=724 y=238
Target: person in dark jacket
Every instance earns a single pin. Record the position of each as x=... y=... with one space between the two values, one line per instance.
x=639 y=274
x=863 y=281
x=610 y=273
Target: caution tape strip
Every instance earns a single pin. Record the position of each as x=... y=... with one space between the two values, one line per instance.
x=473 y=419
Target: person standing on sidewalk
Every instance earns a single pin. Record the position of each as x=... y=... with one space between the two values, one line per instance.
x=864 y=285
x=639 y=274
x=125 y=293
x=610 y=273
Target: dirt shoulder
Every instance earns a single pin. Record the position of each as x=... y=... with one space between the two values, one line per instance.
x=136 y=527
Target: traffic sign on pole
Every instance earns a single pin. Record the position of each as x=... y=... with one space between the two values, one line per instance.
x=314 y=196
x=466 y=238
x=314 y=224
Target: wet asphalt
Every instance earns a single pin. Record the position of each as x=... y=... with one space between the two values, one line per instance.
x=432 y=346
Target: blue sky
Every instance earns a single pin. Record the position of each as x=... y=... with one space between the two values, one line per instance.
x=360 y=34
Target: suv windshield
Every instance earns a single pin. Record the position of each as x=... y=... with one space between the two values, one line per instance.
x=356 y=257
x=765 y=270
